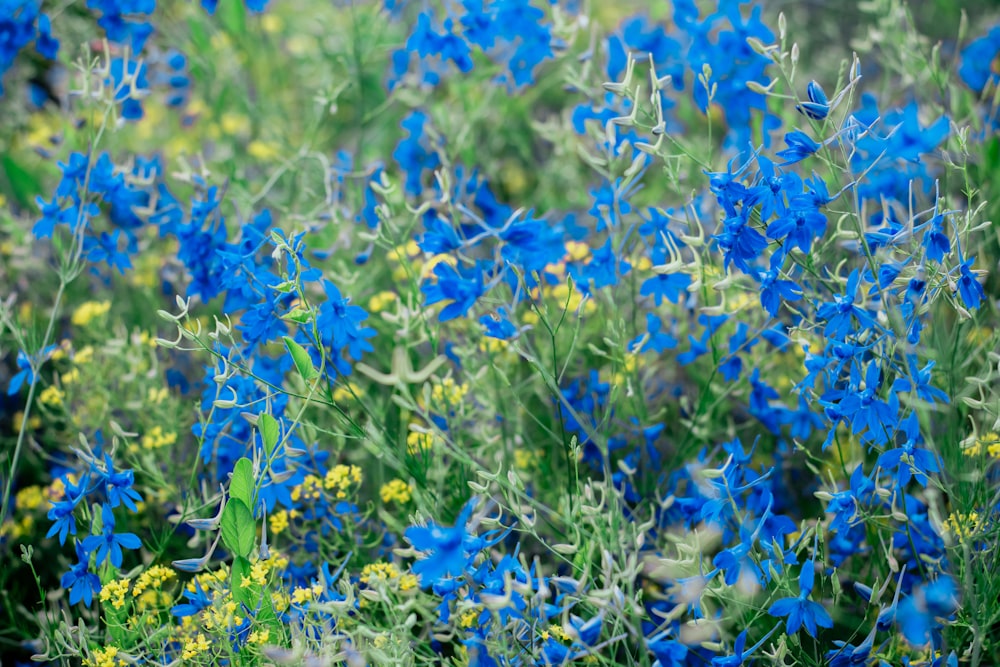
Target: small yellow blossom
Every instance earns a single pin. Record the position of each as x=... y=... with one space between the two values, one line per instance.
x=577 y=250
x=381 y=301
x=114 y=592
x=468 y=618
x=343 y=394
x=52 y=396
x=84 y=355
x=71 y=376
x=572 y=300
x=88 y=311
x=104 y=657
x=234 y=124
x=156 y=438
x=340 y=478
x=988 y=443
x=195 y=647
x=396 y=491
x=156 y=395
x=263 y=150
x=258 y=574
x=378 y=572
x=278 y=521
x=408 y=582
x=153 y=578
x=526 y=459
x=418 y=442
x=302 y=595
x=260 y=636
x=34 y=423
x=29 y=498
x=449 y=392
x=309 y=489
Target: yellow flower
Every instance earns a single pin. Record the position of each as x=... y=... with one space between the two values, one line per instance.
x=258 y=574
x=449 y=392
x=468 y=618
x=526 y=459
x=156 y=395
x=234 y=123
x=29 y=498
x=342 y=393
x=195 y=646
x=381 y=301
x=418 y=442
x=156 y=439
x=309 y=489
x=263 y=150
x=88 y=311
x=340 y=478
x=302 y=595
x=988 y=442
x=271 y=22
x=153 y=578
x=104 y=657
x=378 y=572
x=114 y=592
x=52 y=396
x=408 y=582
x=493 y=345
x=278 y=521
x=577 y=250
x=407 y=251
x=571 y=300
x=260 y=636
x=558 y=632
x=396 y=491
x=84 y=355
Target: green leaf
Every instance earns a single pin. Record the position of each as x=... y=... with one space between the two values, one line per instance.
x=299 y=315
x=238 y=529
x=303 y=363
x=233 y=15
x=241 y=572
x=24 y=186
x=269 y=432
x=242 y=485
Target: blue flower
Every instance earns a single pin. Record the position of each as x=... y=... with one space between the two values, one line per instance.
x=460 y=288
x=109 y=542
x=119 y=486
x=969 y=289
x=800 y=146
x=818 y=106
x=801 y=611
x=445 y=548
x=81 y=582
x=917 y=615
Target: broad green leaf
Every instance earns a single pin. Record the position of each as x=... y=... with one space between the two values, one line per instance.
x=24 y=186
x=299 y=315
x=238 y=529
x=233 y=15
x=242 y=485
x=303 y=363
x=269 y=432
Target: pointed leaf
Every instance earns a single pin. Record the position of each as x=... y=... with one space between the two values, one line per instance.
x=303 y=363
x=269 y=432
x=238 y=529
x=242 y=485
